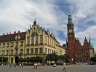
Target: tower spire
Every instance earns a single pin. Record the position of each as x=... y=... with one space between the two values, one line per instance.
x=69 y=18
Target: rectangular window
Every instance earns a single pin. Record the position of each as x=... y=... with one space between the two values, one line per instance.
x=3 y=52
x=36 y=39
x=21 y=50
x=7 y=52
x=50 y=50
x=7 y=44
x=21 y=42
x=36 y=50
x=41 y=39
x=40 y=50
x=46 y=50
x=11 y=52
x=27 y=51
x=45 y=39
x=3 y=45
x=16 y=51
x=12 y=43
x=31 y=51
x=16 y=43
x=86 y=58
x=27 y=40
x=32 y=40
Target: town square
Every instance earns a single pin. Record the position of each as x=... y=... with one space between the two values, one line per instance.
x=69 y=68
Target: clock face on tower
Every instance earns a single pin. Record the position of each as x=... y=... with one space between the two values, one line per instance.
x=70 y=30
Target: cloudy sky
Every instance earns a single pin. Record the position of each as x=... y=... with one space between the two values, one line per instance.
x=52 y=14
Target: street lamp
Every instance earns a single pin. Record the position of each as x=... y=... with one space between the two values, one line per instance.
x=20 y=57
x=54 y=60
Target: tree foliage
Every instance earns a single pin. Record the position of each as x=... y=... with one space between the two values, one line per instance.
x=51 y=57
x=4 y=59
x=93 y=59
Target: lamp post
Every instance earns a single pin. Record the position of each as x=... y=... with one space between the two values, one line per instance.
x=54 y=60
x=20 y=57
x=8 y=57
x=2 y=59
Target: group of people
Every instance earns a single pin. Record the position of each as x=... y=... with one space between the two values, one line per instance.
x=78 y=63
x=15 y=64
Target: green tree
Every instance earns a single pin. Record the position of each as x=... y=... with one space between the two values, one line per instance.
x=93 y=59
x=66 y=56
x=51 y=57
x=4 y=59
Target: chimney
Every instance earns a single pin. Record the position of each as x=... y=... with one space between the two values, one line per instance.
x=7 y=33
x=14 y=32
x=18 y=31
x=10 y=32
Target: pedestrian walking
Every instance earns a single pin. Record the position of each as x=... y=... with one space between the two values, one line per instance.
x=34 y=65
x=22 y=64
x=10 y=64
x=79 y=63
x=64 y=64
x=15 y=65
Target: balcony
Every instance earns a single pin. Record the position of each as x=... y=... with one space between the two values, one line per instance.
x=41 y=43
x=16 y=48
x=21 y=45
x=36 y=44
x=45 y=44
x=32 y=44
x=7 y=46
x=11 y=45
x=16 y=45
x=16 y=53
x=11 y=53
x=28 y=44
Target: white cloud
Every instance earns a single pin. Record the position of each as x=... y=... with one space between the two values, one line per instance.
x=20 y=14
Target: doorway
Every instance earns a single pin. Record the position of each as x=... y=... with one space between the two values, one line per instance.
x=16 y=59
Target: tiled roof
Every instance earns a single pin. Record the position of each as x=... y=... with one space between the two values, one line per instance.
x=59 y=45
x=11 y=37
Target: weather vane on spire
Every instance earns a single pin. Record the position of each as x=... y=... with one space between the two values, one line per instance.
x=69 y=11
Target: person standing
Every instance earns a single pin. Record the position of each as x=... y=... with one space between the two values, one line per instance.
x=64 y=64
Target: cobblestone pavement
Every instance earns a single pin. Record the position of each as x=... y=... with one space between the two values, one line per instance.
x=70 y=68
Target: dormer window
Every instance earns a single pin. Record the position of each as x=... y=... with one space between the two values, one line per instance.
x=16 y=43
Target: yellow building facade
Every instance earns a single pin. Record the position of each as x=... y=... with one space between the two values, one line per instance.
x=34 y=42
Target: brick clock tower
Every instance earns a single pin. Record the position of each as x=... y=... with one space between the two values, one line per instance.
x=71 y=38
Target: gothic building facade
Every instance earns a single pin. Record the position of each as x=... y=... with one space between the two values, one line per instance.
x=73 y=47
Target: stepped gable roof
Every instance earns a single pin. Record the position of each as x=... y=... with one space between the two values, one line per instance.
x=11 y=37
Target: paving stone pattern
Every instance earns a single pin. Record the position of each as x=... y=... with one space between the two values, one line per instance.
x=70 y=68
